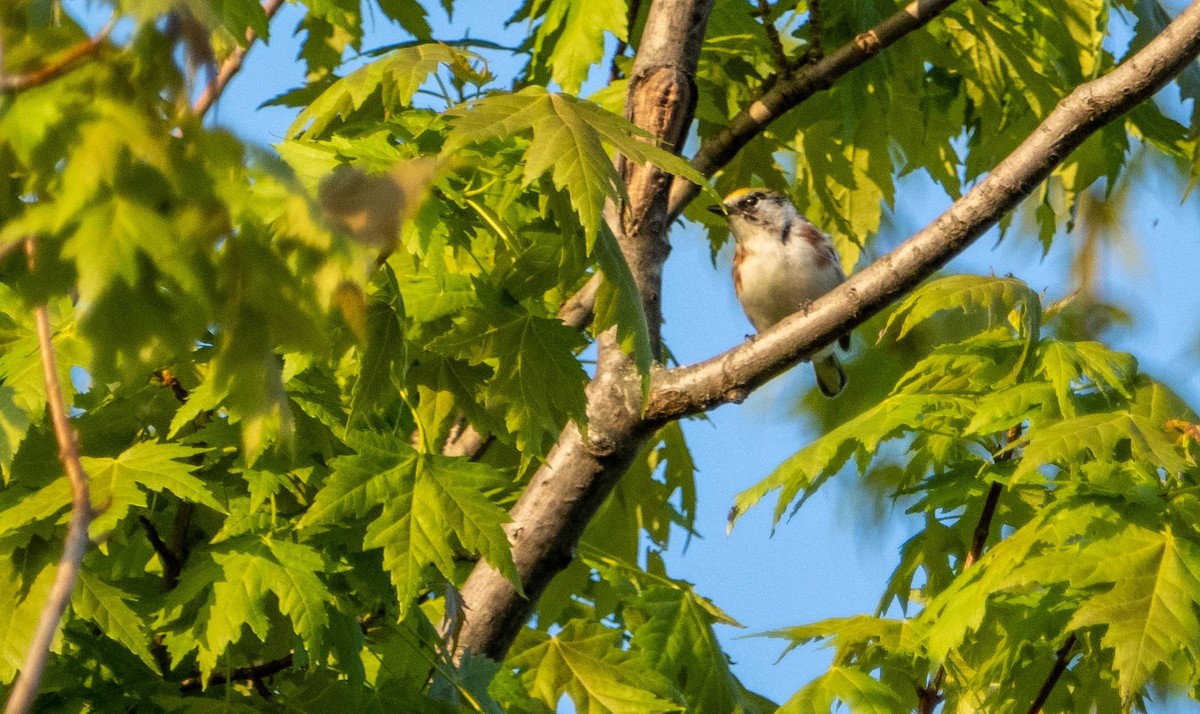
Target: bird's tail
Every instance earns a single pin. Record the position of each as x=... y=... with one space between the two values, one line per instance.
x=831 y=378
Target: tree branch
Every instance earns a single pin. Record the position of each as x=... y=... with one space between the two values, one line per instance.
x=930 y=696
x=783 y=65
x=254 y=673
x=54 y=70
x=579 y=472
x=816 y=50
x=786 y=94
x=782 y=97
x=729 y=377
x=171 y=563
x=1061 y=659
x=76 y=545
x=232 y=64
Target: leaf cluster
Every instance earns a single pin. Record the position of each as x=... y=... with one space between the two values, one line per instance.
x=1074 y=470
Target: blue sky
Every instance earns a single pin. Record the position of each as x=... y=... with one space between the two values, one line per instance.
x=824 y=562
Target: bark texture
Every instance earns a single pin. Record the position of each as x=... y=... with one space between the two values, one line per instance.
x=580 y=471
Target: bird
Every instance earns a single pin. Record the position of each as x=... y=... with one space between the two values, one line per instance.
x=781 y=264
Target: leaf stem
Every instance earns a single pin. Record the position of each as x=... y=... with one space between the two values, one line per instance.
x=76 y=545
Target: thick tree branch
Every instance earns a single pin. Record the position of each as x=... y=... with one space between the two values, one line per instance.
x=786 y=94
x=231 y=65
x=76 y=545
x=729 y=377
x=54 y=70
x=580 y=471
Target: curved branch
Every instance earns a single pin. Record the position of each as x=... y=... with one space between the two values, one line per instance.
x=38 y=77
x=231 y=65
x=729 y=377
x=792 y=90
x=76 y=546
x=581 y=469
x=785 y=96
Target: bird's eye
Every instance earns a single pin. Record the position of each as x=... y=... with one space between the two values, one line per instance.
x=750 y=201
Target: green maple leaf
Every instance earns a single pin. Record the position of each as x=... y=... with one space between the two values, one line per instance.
x=585 y=662
x=429 y=504
x=117 y=485
x=568 y=137
x=396 y=77
x=383 y=359
x=803 y=473
x=566 y=37
x=150 y=466
x=618 y=303
x=537 y=377
x=1002 y=301
x=107 y=607
x=110 y=238
x=676 y=639
x=859 y=691
x=229 y=587
x=28 y=583
x=1150 y=612
x=1100 y=437
x=1067 y=364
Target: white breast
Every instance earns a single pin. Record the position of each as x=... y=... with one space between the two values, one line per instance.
x=778 y=279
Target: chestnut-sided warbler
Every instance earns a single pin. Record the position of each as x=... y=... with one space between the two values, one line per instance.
x=782 y=263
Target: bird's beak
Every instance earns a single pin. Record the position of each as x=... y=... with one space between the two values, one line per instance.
x=719 y=210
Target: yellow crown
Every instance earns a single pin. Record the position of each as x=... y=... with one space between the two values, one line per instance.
x=738 y=193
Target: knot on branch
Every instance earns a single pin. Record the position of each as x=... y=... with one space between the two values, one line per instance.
x=869 y=42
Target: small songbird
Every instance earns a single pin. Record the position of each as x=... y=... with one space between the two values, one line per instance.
x=782 y=263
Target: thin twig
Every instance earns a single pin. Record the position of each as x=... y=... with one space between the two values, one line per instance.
x=168 y=379
x=171 y=563
x=253 y=673
x=232 y=64
x=816 y=52
x=932 y=694
x=86 y=48
x=783 y=66
x=1061 y=659
x=76 y=545
x=614 y=72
